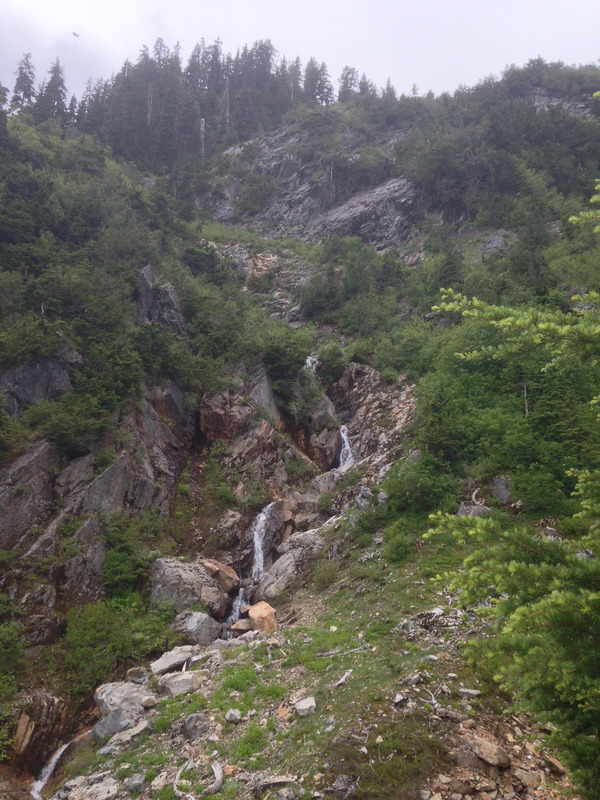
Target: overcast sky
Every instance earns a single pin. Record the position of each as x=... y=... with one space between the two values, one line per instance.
x=435 y=44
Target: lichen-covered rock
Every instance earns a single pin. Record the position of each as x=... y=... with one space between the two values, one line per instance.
x=127 y=696
x=159 y=302
x=38 y=379
x=182 y=584
x=197 y=627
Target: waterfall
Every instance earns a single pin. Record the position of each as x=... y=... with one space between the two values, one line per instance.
x=259 y=528
x=48 y=770
x=346 y=455
x=242 y=599
x=311 y=362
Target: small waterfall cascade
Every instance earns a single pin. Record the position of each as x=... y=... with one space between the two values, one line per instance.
x=242 y=599
x=259 y=529
x=48 y=770
x=310 y=365
x=346 y=455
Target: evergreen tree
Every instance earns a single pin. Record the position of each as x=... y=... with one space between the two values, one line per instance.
x=317 y=86
x=546 y=605
x=348 y=82
x=24 y=90
x=51 y=102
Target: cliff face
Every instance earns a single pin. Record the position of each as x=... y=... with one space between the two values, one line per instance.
x=315 y=196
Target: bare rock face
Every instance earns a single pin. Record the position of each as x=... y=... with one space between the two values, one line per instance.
x=375 y=413
x=320 y=437
x=297 y=552
x=182 y=584
x=26 y=493
x=383 y=214
x=53 y=510
x=224 y=416
x=41 y=719
x=159 y=302
x=317 y=199
x=38 y=379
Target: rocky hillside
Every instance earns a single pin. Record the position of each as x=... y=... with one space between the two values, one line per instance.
x=316 y=667
x=220 y=454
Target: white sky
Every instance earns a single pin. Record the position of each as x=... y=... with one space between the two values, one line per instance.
x=435 y=44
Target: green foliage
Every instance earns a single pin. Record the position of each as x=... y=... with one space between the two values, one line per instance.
x=102 y=635
x=545 y=609
x=252 y=743
x=420 y=485
x=171 y=709
x=324 y=502
x=128 y=556
x=332 y=362
x=284 y=354
x=257 y=192
x=324 y=574
x=543 y=592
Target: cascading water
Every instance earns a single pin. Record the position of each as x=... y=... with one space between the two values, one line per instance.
x=259 y=529
x=311 y=362
x=242 y=599
x=346 y=454
x=48 y=770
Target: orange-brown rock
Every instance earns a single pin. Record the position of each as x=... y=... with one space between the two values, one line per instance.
x=262 y=617
x=225 y=576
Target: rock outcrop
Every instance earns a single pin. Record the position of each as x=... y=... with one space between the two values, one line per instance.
x=159 y=302
x=43 y=378
x=183 y=584
x=318 y=198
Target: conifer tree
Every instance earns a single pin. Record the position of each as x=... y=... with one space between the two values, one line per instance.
x=24 y=90
x=51 y=102
x=542 y=593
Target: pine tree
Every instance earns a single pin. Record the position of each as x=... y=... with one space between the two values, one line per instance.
x=24 y=90
x=51 y=102
x=545 y=597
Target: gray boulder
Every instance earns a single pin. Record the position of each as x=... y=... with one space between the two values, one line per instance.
x=175 y=683
x=130 y=697
x=182 y=584
x=197 y=627
x=115 y=722
x=195 y=726
x=172 y=660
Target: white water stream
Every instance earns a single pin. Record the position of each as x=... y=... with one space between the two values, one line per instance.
x=311 y=362
x=259 y=529
x=48 y=770
x=346 y=455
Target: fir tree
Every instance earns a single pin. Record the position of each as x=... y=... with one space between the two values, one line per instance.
x=24 y=90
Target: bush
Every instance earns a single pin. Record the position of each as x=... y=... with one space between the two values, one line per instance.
x=324 y=575
x=422 y=485
x=398 y=548
x=102 y=635
x=258 y=190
